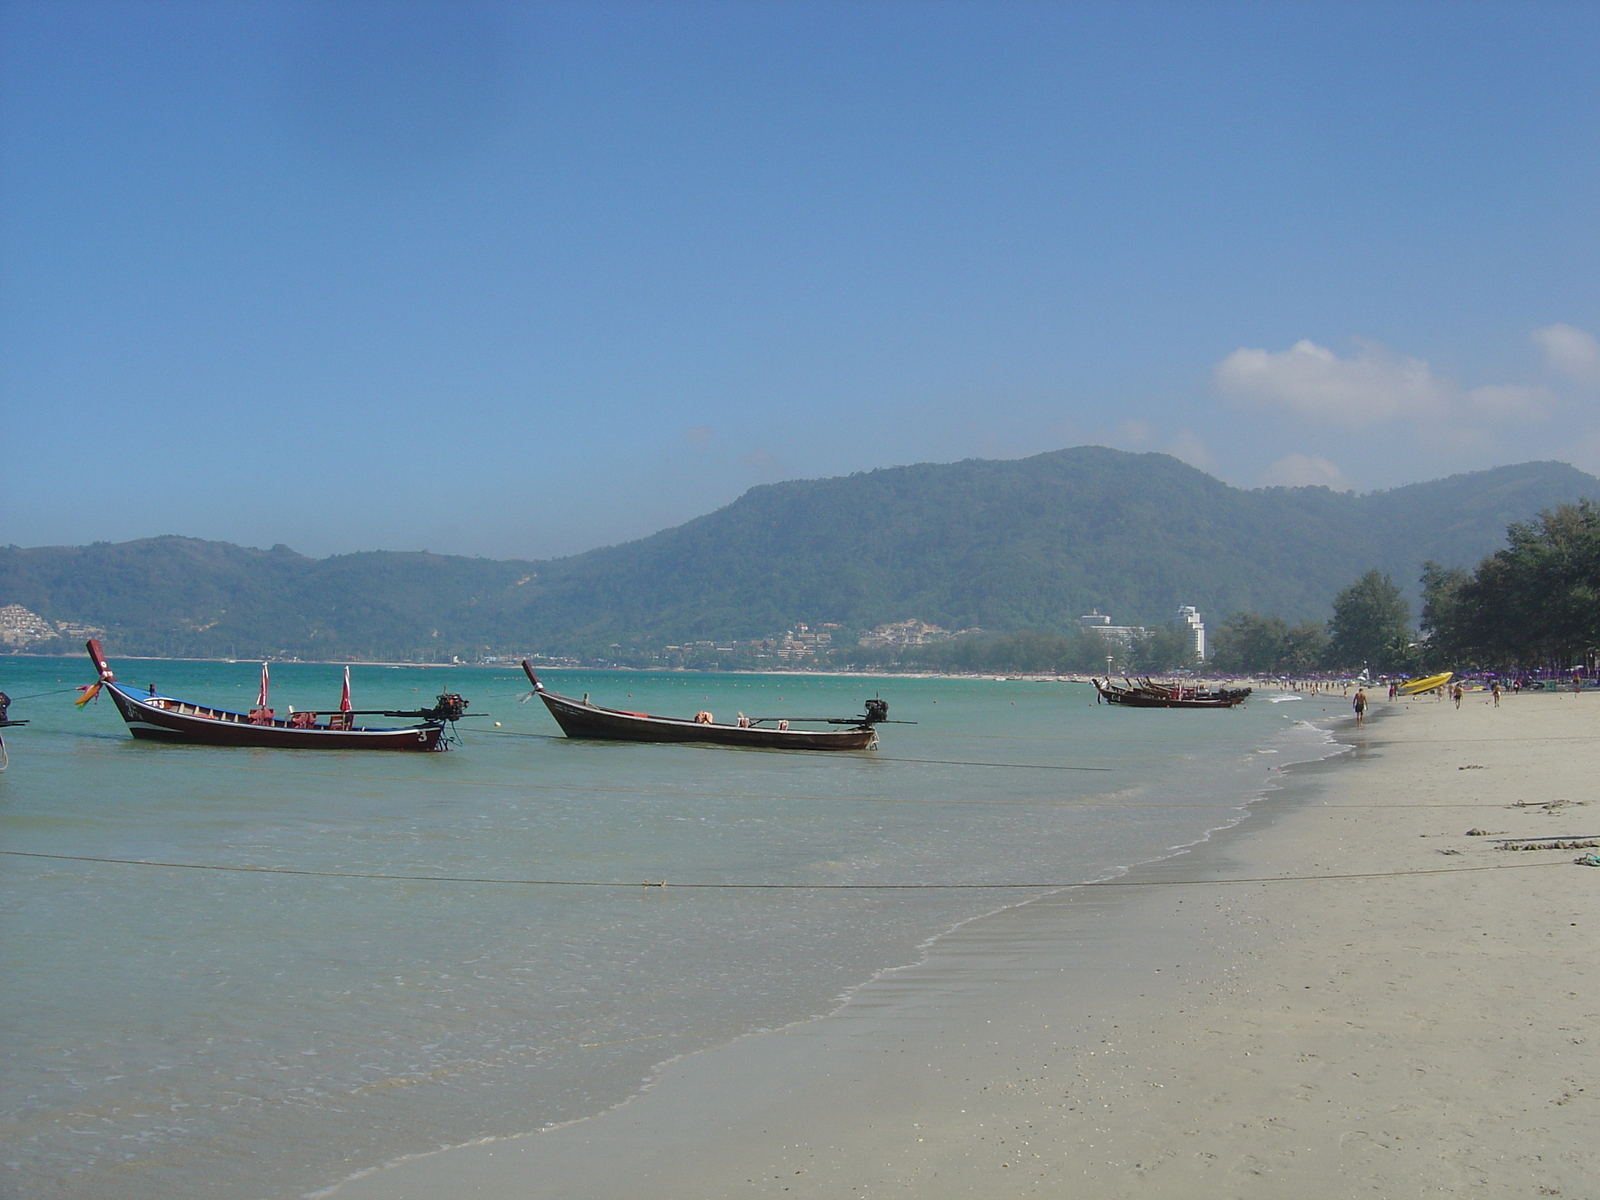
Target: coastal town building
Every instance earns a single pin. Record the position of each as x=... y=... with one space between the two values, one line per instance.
x=19 y=627
x=23 y=629
x=905 y=633
x=1098 y=622
x=803 y=642
x=1189 y=616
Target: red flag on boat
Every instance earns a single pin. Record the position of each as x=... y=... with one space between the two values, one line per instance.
x=344 y=697
x=261 y=700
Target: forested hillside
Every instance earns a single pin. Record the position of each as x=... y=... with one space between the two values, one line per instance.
x=181 y=597
x=1001 y=545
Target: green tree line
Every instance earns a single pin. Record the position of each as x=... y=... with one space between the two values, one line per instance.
x=1370 y=628
x=1535 y=603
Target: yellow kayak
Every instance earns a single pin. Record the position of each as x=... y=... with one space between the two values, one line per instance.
x=1412 y=686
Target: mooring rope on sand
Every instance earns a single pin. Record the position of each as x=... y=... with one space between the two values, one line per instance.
x=753 y=887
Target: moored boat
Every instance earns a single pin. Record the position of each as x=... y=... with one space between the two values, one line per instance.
x=1149 y=694
x=584 y=719
x=6 y=723
x=166 y=719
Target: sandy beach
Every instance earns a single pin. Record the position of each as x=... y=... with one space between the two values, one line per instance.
x=1348 y=995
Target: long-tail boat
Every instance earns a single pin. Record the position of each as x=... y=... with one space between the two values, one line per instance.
x=6 y=723
x=165 y=719
x=584 y=719
x=1148 y=694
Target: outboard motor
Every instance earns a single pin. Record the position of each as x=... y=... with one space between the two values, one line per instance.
x=877 y=710
x=451 y=707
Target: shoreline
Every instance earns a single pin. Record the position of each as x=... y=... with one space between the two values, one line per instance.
x=1376 y=1019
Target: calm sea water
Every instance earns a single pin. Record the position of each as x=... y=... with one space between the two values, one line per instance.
x=183 y=1033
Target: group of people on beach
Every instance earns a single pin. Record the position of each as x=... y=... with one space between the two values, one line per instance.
x=1457 y=693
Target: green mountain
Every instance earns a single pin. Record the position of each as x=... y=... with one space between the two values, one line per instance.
x=181 y=597
x=1023 y=544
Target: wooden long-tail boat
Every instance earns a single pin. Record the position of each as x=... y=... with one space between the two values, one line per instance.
x=6 y=723
x=583 y=719
x=165 y=719
x=1149 y=694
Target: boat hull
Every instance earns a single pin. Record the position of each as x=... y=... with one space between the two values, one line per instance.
x=1150 y=698
x=161 y=719
x=1413 y=686
x=1157 y=702
x=580 y=720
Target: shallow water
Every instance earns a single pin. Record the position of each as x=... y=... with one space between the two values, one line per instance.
x=173 y=1032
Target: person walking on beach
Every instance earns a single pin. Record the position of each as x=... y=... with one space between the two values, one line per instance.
x=1360 y=705
x=1459 y=692
x=1494 y=690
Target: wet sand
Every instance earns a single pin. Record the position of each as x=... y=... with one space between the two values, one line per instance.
x=1346 y=996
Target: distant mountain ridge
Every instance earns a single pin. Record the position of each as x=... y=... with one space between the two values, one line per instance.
x=1016 y=544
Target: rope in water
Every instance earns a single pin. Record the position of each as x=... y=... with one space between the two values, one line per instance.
x=582 y=788
x=843 y=799
x=954 y=762
x=752 y=887
x=37 y=695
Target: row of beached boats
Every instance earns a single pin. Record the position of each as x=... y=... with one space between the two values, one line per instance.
x=1147 y=693
x=166 y=718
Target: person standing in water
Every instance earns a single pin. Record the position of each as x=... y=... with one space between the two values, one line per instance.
x=1360 y=705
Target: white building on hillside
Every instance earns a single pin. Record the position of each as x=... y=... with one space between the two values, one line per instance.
x=1096 y=621
x=1189 y=616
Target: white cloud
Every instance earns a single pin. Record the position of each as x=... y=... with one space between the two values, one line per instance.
x=1188 y=446
x=1304 y=470
x=1378 y=387
x=1569 y=351
x=1312 y=381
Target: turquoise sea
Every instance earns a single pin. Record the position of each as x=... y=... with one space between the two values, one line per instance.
x=176 y=1032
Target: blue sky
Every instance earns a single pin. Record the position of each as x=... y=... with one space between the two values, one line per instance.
x=522 y=279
